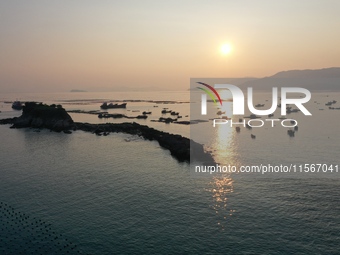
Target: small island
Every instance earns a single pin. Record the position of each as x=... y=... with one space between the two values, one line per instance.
x=38 y=115
x=55 y=118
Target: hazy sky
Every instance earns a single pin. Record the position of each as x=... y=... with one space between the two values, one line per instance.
x=101 y=45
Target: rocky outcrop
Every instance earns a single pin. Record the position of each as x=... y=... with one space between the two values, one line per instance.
x=57 y=119
x=178 y=145
x=38 y=115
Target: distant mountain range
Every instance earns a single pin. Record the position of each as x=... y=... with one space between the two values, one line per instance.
x=327 y=79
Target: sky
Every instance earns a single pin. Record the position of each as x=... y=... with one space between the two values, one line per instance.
x=106 y=45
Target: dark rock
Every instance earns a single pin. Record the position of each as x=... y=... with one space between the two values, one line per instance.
x=141 y=117
x=114 y=115
x=184 y=122
x=57 y=119
x=178 y=145
x=37 y=115
x=17 y=105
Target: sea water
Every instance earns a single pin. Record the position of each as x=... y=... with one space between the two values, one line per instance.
x=119 y=194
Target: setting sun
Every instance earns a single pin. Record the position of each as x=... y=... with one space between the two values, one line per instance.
x=226 y=49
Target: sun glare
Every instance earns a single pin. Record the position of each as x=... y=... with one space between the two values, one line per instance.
x=226 y=49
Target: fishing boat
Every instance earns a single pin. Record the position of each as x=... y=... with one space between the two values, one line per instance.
x=112 y=106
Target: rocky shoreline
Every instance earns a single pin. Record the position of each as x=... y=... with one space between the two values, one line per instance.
x=55 y=118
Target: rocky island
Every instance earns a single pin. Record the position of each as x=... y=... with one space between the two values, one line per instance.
x=38 y=115
x=55 y=118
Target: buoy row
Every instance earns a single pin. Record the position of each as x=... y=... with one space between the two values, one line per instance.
x=21 y=233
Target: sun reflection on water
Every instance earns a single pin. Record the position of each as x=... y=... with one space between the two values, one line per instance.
x=221 y=187
x=224 y=146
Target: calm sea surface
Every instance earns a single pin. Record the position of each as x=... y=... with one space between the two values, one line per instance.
x=87 y=194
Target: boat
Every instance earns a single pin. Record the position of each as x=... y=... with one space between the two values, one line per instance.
x=17 y=105
x=291 y=133
x=112 y=106
x=331 y=102
x=166 y=120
